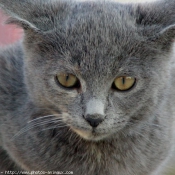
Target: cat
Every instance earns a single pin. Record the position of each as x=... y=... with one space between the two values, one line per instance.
x=90 y=88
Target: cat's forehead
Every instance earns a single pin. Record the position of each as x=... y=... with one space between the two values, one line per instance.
x=95 y=36
x=94 y=25
x=99 y=35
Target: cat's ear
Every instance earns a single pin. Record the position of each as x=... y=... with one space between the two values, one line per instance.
x=34 y=15
x=156 y=20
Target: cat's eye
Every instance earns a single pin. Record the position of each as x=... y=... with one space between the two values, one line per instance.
x=124 y=83
x=67 y=80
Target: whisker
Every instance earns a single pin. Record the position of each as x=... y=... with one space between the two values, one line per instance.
x=145 y=124
x=143 y=136
x=29 y=127
x=42 y=117
x=53 y=127
x=48 y=120
x=48 y=128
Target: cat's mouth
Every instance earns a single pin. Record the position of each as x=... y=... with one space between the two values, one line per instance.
x=92 y=135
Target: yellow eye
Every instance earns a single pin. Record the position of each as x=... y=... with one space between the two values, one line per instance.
x=124 y=83
x=67 y=80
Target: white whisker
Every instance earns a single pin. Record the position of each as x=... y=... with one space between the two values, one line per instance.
x=53 y=127
x=42 y=117
x=32 y=125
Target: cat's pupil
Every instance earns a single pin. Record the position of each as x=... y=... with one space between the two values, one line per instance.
x=123 y=80
x=67 y=77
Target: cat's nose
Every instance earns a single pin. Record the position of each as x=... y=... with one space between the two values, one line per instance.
x=94 y=120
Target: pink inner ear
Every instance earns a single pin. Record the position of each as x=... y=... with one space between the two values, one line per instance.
x=8 y=33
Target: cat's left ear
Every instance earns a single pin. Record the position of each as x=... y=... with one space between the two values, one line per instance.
x=156 y=21
x=35 y=15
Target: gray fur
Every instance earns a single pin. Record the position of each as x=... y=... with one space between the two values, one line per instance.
x=42 y=125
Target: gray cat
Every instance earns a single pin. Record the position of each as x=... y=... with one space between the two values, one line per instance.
x=90 y=90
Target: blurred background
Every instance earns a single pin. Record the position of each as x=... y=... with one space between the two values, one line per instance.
x=10 y=34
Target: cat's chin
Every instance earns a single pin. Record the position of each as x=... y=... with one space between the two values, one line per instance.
x=89 y=135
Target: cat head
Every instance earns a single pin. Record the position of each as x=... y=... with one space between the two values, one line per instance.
x=103 y=65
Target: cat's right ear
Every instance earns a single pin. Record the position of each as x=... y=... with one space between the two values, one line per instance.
x=156 y=22
x=31 y=15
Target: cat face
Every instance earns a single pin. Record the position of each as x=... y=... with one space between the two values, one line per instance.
x=103 y=67
x=99 y=71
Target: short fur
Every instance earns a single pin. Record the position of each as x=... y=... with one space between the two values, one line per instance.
x=43 y=126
